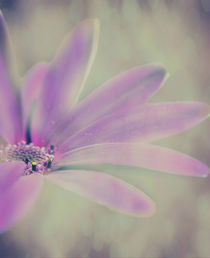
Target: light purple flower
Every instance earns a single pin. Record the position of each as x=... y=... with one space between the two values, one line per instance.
x=47 y=132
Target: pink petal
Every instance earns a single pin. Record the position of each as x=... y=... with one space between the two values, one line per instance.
x=133 y=88
x=65 y=80
x=147 y=123
x=31 y=91
x=10 y=172
x=138 y=155
x=18 y=200
x=105 y=190
x=10 y=128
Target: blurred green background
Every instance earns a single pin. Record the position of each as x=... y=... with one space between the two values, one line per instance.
x=175 y=33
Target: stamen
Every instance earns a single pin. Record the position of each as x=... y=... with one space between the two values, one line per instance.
x=37 y=159
x=49 y=163
x=34 y=166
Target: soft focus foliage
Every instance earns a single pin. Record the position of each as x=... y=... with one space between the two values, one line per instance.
x=174 y=33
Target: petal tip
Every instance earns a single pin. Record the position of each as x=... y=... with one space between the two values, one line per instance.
x=206 y=110
x=93 y=23
x=167 y=75
x=151 y=209
x=144 y=209
x=202 y=173
x=2 y=20
x=160 y=69
x=206 y=174
x=149 y=212
x=159 y=66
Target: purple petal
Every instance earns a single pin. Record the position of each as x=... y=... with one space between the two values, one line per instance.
x=10 y=128
x=138 y=155
x=147 y=123
x=124 y=92
x=105 y=190
x=31 y=90
x=65 y=80
x=10 y=172
x=18 y=200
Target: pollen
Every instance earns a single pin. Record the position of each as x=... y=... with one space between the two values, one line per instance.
x=37 y=159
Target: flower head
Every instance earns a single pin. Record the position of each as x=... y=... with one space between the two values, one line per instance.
x=46 y=131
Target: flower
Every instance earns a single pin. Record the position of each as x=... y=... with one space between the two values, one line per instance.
x=46 y=131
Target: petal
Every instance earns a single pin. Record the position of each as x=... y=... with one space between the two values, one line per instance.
x=132 y=88
x=18 y=200
x=10 y=172
x=105 y=190
x=147 y=123
x=7 y=51
x=65 y=80
x=31 y=91
x=138 y=155
x=10 y=128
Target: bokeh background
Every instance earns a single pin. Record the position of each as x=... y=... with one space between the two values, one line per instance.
x=175 y=33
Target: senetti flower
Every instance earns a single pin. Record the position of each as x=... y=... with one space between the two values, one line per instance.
x=46 y=132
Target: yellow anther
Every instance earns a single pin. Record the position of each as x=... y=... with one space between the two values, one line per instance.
x=33 y=166
x=49 y=162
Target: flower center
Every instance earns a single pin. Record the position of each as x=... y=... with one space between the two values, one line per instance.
x=37 y=159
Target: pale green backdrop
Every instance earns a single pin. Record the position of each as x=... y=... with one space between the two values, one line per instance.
x=174 y=33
